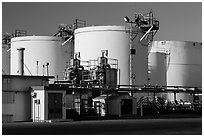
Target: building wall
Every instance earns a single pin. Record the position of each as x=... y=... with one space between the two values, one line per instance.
x=113 y=107
x=42 y=111
x=17 y=98
x=19 y=107
x=134 y=108
x=21 y=83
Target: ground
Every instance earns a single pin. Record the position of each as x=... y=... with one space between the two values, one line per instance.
x=171 y=126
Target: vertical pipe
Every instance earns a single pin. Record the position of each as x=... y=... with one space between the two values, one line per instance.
x=38 y=112
x=72 y=99
x=37 y=68
x=174 y=96
x=47 y=69
x=80 y=105
x=43 y=69
x=119 y=77
x=21 y=61
x=131 y=81
x=107 y=111
x=141 y=111
x=34 y=110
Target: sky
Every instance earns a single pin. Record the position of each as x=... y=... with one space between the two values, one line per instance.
x=179 y=21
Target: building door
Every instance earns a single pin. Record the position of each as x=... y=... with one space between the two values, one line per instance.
x=126 y=106
x=54 y=105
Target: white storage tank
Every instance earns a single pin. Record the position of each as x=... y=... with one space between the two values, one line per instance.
x=184 y=64
x=39 y=51
x=157 y=68
x=89 y=41
x=157 y=71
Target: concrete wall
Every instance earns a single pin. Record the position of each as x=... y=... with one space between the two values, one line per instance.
x=20 y=108
x=114 y=105
x=134 y=108
x=21 y=83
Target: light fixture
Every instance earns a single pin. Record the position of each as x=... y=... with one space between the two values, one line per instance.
x=126 y=19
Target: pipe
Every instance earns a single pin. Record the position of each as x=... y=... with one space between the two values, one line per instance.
x=37 y=68
x=47 y=64
x=146 y=33
x=67 y=41
x=43 y=69
x=21 y=61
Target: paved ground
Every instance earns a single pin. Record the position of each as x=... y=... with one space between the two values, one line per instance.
x=176 y=126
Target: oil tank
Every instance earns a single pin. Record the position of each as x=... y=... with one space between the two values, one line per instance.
x=157 y=71
x=157 y=68
x=184 y=64
x=89 y=41
x=39 y=51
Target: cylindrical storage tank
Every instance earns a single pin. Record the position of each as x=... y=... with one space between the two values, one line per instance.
x=5 y=59
x=157 y=68
x=41 y=51
x=184 y=64
x=89 y=41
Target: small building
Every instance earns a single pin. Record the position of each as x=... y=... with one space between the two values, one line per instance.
x=121 y=104
x=47 y=103
x=57 y=102
x=116 y=104
x=16 y=99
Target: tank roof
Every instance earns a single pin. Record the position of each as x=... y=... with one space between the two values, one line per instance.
x=177 y=41
x=101 y=28
x=36 y=38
